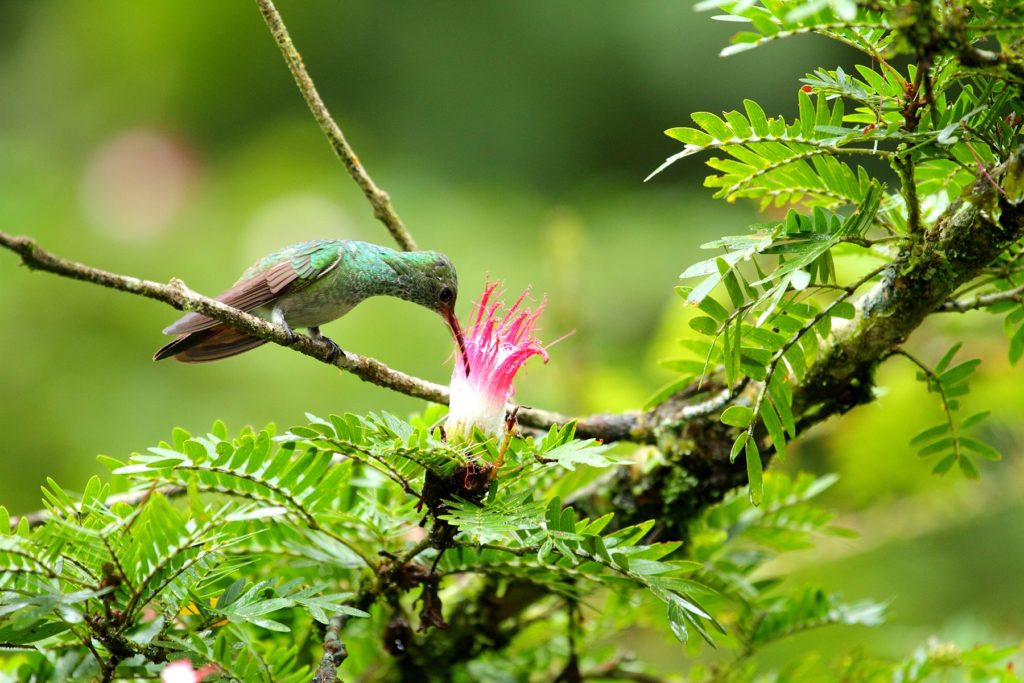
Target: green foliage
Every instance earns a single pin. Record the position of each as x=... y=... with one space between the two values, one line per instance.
x=1007 y=298
x=779 y=163
x=231 y=545
x=240 y=551
x=266 y=524
x=940 y=123
x=947 y=439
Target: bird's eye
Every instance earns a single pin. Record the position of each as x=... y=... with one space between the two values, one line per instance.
x=446 y=295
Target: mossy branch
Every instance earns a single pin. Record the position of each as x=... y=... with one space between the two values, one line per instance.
x=697 y=473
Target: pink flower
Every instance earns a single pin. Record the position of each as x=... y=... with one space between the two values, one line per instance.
x=496 y=348
x=181 y=671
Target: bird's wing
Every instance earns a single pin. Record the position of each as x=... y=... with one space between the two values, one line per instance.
x=208 y=345
x=305 y=264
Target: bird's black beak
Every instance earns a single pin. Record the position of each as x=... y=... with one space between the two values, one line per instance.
x=453 y=322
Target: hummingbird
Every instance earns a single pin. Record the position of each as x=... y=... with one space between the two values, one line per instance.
x=312 y=283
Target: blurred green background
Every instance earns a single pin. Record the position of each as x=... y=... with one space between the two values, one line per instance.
x=167 y=140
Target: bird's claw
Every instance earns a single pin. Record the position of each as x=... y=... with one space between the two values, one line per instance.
x=335 y=352
x=290 y=336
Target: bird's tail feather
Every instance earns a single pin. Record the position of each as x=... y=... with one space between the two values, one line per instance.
x=208 y=345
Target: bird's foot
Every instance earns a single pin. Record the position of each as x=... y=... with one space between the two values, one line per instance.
x=277 y=317
x=290 y=337
x=336 y=351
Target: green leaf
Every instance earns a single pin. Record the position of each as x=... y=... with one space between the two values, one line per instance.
x=732 y=343
x=108 y=462
x=567 y=522
x=220 y=430
x=929 y=434
x=980 y=448
x=975 y=419
x=712 y=124
x=754 y=473
x=704 y=325
x=700 y=293
x=231 y=593
x=967 y=467
x=690 y=136
x=944 y=362
x=1017 y=346
x=758 y=120
x=685 y=365
x=553 y=515
x=738 y=444
x=781 y=396
x=737 y=416
x=714 y=309
x=844 y=310
x=959 y=373
x=732 y=284
x=937 y=447
x=677 y=620
x=944 y=465
x=774 y=427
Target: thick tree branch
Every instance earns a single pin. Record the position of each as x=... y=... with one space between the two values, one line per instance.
x=378 y=198
x=697 y=472
x=968 y=237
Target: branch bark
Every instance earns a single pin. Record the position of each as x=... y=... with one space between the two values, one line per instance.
x=378 y=198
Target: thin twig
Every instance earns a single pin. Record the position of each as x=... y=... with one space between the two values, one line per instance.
x=982 y=301
x=178 y=295
x=133 y=498
x=378 y=198
x=334 y=652
x=610 y=427
x=905 y=168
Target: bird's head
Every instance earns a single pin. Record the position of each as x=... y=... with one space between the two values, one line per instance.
x=428 y=278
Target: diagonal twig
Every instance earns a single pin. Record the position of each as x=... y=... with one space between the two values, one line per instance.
x=178 y=295
x=378 y=198
x=611 y=427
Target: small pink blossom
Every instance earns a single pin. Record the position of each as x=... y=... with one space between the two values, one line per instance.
x=181 y=671
x=496 y=347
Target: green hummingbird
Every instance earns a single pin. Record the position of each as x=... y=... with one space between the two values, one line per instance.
x=312 y=283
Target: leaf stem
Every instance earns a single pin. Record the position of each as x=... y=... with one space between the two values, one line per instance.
x=933 y=380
